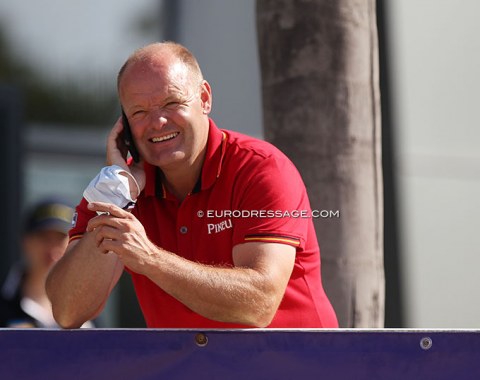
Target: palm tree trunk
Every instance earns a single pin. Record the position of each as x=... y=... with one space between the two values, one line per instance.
x=321 y=103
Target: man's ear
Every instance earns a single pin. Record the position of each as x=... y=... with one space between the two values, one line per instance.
x=206 y=97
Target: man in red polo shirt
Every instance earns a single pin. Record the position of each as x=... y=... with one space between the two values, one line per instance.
x=221 y=234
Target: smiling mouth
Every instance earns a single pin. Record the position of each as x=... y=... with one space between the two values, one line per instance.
x=164 y=138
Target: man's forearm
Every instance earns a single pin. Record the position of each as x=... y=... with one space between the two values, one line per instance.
x=236 y=295
x=80 y=282
x=248 y=293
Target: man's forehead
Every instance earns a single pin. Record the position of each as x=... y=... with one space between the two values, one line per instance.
x=160 y=81
x=167 y=69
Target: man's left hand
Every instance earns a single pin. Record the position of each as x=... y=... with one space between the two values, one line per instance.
x=120 y=232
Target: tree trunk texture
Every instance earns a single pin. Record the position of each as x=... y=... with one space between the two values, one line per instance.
x=321 y=104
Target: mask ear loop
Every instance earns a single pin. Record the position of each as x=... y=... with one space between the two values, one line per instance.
x=130 y=177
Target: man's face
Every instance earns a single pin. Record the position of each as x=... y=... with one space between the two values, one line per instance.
x=167 y=110
x=43 y=248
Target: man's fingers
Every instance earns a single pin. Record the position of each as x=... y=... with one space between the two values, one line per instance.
x=107 y=207
x=116 y=149
x=115 y=132
x=116 y=139
x=106 y=220
x=107 y=245
x=106 y=232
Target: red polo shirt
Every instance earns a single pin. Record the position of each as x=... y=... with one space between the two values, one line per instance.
x=248 y=191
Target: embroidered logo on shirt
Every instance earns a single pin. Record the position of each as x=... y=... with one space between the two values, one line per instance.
x=74 y=219
x=219 y=227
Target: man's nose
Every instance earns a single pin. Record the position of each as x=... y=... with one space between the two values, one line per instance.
x=158 y=118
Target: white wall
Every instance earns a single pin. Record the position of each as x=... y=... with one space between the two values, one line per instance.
x=436 y=80
x=222 y=35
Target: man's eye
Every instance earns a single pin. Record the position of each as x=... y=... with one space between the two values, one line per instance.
x=171 y=104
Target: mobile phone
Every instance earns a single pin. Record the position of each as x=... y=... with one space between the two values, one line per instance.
x=128 y=138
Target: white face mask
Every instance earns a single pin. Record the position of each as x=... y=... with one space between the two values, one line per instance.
x=110 y=186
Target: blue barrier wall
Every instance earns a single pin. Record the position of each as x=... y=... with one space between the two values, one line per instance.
x=239 y=354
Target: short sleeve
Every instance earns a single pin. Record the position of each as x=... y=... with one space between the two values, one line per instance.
x=272 y=205
x=80 y=220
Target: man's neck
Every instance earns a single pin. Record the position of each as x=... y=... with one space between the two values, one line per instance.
x=181 y=181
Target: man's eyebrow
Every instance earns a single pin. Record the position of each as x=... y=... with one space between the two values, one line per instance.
x=175 y=95
x=170 y=97
x=134 y=108
x=162 y=100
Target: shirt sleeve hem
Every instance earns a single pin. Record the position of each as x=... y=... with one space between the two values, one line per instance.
x=281 y=239
x=75 y=237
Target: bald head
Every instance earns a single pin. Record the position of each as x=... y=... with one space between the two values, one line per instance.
x=167 y=53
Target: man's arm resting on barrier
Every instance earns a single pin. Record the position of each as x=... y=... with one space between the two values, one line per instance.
x=79 y=284
x=248 y=293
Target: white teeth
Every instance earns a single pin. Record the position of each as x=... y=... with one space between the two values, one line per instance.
x=166 y=137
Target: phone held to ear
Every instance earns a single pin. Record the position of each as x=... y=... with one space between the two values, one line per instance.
x=128 y=138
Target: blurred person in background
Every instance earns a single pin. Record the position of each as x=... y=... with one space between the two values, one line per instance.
x=23 y=299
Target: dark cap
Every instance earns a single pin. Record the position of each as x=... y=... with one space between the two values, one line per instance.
x=49 y=214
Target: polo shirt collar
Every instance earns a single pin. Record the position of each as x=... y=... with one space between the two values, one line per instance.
x=212 y=165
